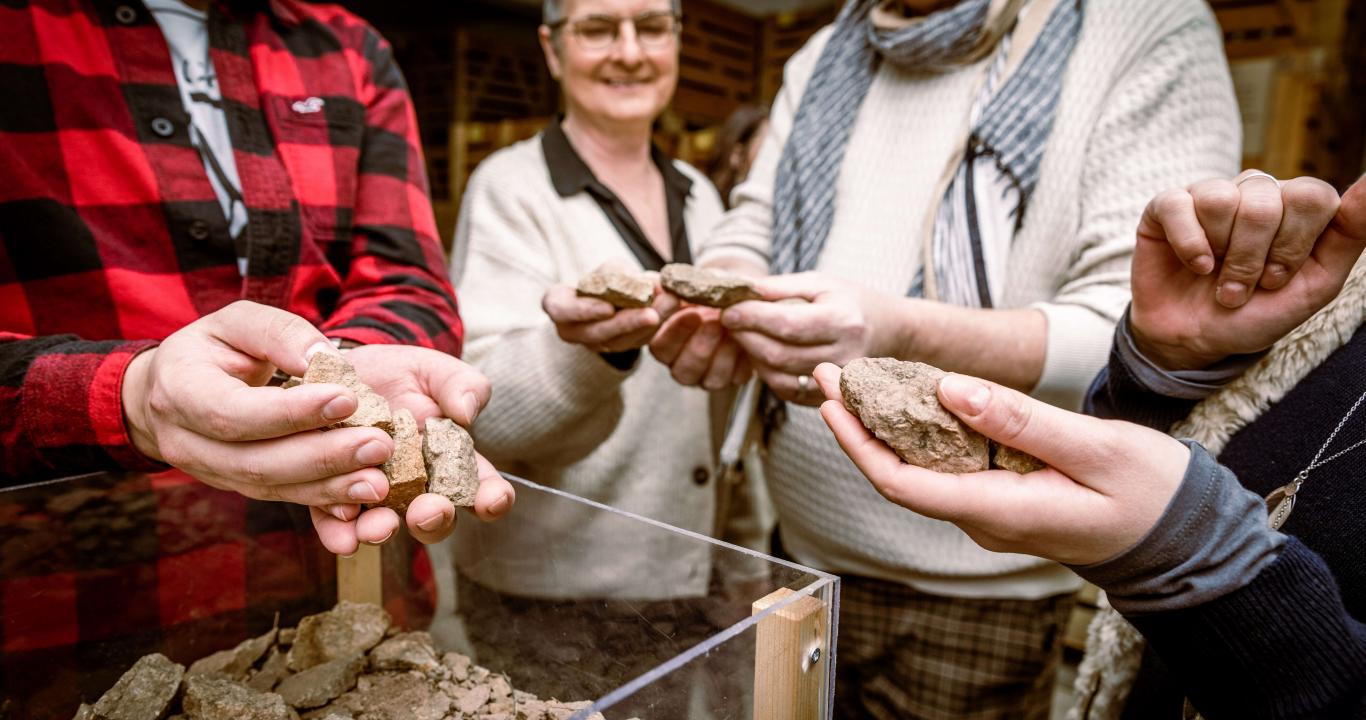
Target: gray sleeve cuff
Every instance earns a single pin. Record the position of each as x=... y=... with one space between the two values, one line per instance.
x=1212 y=539
x=1183 y=384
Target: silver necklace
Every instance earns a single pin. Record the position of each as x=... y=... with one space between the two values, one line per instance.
x=1282 y=500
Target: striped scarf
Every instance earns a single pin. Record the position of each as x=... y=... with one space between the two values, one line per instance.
x=1010 y=131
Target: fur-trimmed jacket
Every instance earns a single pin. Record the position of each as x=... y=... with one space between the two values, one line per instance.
x=1289 y=643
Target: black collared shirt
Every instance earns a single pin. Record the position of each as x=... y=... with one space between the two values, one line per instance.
x=571 y=175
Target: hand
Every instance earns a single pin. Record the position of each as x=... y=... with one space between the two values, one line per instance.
x=599 y=326
x=1294 y=242
x=814 y=319
x=1107 y=482
x=698 y=351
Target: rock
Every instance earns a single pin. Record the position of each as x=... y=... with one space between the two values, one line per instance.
x=398 y=696
x=499 y=687
x=372 y=409
x=470 y=699
x=898 y=401
x=144 y=692
x=346 y=630
x=706 y=287
x=84 y=712
x=286 y=636
x=214 y=697
x=1008 y=458
x=405 y=651
x=406 y=469
x=451 y=467
x=235 y=662
x=623 y=290
x=458 y=664
x=272 y=671
x=321 y=684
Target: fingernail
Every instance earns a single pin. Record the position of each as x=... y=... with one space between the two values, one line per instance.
x=318 y=347
x=339 y=408
x=1231 y=293
x=381 y=541
x=965 y=394
x=372 y=453
x=470 y=404
x=362 y=492
x=1203 y=264
x=500 y=505
x=433 y=523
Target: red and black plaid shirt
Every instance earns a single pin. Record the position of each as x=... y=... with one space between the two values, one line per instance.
x=111 y=236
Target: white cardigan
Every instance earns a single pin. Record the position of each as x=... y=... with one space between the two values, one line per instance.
x=1146 y=105
x=561 y=415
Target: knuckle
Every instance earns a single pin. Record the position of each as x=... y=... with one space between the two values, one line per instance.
x=219 y=425
x=1170 y=202
x=1260 y=211
x=1015 y=420
x=1242 y=266
x=1309 y=195
x=1217 y=198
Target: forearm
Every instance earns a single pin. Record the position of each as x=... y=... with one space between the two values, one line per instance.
x=1004 y=346
x=61 y=409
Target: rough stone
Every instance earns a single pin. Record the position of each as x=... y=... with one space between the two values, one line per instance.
x=406 y=469
x=451 y=467
x=623 y=290
x=286 y=636
x=458 y=664
x=398 y=696
x=272 y=671
x=144 y=692
x=470 y=699
x=1008 y=458
x=321 y=684
x=706 y=287
x=372 y=409
x=235 y=662
x=213 y=697
x=405 y=651
x=345 y=630
x=898 y=401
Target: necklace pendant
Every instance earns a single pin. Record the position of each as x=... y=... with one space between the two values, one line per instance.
x=1281 y=501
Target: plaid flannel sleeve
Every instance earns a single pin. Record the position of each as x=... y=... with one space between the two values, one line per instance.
x=396 y=289
x=61 y=411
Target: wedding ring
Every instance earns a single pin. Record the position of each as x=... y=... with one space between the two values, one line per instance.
x=803 y=386
x=1258 y=174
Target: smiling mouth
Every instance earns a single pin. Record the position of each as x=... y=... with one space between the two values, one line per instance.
x=625 y=83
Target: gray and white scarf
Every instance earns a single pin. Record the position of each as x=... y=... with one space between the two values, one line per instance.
x=1010 y=131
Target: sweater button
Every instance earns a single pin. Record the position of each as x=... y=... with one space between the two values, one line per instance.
x=199 y=230
x=700 y=475
x=163 y=127
x=125 y=14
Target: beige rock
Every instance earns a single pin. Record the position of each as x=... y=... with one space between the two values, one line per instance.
x=321 y=684
x=235 y=662
x=898 y=401
x=451 y=467
x=144 y=692
x=459 y=665
x=372 y=409
x=343 y=631
x=1008 y=458
x=623 y=290
x=214 y=697
x=406 y=469
x=469 y=700
x=398 y=696
x=273 y=670
x=405 y=651
x=706 y=287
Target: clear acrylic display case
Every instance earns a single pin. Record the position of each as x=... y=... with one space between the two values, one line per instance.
x=98 y=570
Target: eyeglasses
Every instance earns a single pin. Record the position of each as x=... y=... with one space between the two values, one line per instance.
x=654 y=30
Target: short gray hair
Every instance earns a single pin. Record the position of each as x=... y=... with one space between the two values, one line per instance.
x=552 y=11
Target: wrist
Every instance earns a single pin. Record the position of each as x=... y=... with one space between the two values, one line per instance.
x=1172 y=357
x=133 y=397
x=905 y=332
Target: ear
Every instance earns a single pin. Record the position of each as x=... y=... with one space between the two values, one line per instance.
x=550 y=47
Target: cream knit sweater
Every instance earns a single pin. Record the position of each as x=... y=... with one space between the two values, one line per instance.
x=1146 y=105
x=561 y=415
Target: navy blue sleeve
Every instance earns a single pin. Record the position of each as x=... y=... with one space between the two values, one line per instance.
x=1283 y=646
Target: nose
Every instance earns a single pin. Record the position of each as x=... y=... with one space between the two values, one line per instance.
x=626 y=50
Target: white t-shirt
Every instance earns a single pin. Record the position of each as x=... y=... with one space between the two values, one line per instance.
x=187 y=33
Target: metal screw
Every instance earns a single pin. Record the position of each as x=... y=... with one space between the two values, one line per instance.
x=815 y=655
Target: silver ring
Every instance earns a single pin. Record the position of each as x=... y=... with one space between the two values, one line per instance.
x=1259 y=174
x=803 y=386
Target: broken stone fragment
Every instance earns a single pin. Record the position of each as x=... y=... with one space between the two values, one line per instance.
x=372 y=409
x=469 y=700
x=406 y=469
x=1008 y=458
x=214 y=697
x=235 y=662
x=405 y=651
x=343 y=631
x=623 y=290
x=321 y=684
x=898 y=402
x=451 y=467
x=273 y=670
x=712 y=288
x=398 y=696
x=459 y=665
x=144 y=692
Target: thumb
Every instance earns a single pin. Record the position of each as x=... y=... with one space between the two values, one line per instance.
x=805 y=286
x=284 y=339
x=1341 y=244
x=1066 y=441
